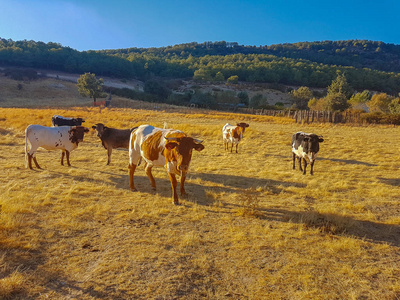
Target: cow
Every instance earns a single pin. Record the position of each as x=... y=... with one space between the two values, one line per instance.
x=162 y=147
x=112 y=138
x=65 y=138
x=305 y=146
x=57 y=120
x=233 y=134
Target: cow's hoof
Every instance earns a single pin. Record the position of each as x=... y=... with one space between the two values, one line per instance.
x=134 y=190
x=176 y=203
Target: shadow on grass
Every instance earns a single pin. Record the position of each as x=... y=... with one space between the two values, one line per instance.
x=348 y=161
x=337 y=225
x=390 y=181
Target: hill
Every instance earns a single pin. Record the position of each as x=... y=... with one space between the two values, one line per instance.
x=367 y=65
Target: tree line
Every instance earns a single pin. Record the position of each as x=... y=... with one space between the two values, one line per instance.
x=367 y=65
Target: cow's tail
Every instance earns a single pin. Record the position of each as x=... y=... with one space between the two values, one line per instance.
x=26 y=148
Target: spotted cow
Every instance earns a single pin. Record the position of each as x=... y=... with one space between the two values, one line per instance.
x=64 y=138
x=57 y=120
x=233 y=134
x=162 y=147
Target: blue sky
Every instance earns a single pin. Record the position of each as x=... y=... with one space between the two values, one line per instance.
x=115 y=24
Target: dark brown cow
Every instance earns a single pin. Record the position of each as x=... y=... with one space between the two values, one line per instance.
x=112 y=138
x=167 y=148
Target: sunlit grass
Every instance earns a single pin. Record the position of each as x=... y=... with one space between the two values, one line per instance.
x=250 y=227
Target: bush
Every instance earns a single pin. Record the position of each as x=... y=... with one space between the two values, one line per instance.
x=381 y=118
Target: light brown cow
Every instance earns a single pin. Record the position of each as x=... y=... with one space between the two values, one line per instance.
x=233 y=134
x=162 y=147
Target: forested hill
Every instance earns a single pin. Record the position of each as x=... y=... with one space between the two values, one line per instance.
x=356 y=53
x=367 y=64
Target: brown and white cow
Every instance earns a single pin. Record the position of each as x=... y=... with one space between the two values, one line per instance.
x=305 y=146
x=233 y=134
x=64 y=138
x=162 y=147
x=112 y=138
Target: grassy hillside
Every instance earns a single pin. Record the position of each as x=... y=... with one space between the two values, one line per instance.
x=251 y=227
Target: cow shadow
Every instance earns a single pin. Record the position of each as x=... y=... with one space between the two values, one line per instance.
x=348 y=161
x=337 y=225
x=390 y=181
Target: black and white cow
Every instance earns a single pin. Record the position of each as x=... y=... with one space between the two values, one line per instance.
x=65 y=138
x=57 y=120
x=305 y=146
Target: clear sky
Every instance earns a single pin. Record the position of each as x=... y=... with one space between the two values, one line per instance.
x=115 y=24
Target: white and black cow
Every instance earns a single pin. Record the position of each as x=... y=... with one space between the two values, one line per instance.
x=64 y=138
x=159 y=147
x=112 y=138
x=305 y=146
x=57 y=120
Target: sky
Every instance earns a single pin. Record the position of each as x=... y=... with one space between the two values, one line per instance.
x=116 y=24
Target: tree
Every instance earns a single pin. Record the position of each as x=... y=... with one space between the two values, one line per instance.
x=302 y=95
x=233 y=79
x=89 y=85
x=379 y=103
x=219 y=77
x=394 y=106
x=243 y=98
x=338 y=93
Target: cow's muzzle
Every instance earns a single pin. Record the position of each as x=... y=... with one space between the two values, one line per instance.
x=183 y=169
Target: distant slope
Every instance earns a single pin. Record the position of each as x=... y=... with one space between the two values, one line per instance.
x=367 y=64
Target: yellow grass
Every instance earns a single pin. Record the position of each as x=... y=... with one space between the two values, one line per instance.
x=251 y=227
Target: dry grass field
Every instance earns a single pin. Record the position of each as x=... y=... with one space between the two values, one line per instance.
x=251 y=227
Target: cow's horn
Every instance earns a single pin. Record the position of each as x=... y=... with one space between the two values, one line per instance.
x=198 y=141
x=171 y=138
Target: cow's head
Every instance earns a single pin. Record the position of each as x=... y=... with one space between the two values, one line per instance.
x=76 y=134
x=100 y=129
x=243 y=125
x=180 y=149
x=311 y=143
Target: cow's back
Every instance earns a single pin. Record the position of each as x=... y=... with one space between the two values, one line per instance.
x=49 y=138
x=148 y=142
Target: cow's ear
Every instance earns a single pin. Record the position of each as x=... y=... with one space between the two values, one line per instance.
x=320 y=139
x=94 y=126
x=171 y=145
x=198 y=147
x=86 y=129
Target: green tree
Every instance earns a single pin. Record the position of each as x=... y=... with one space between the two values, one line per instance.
x=202 y=75
x=219 y=77
x=243 y=98
x=302 y=95
x=90 y=86
x=338 y=93
x=394 y=106
x=233 y=79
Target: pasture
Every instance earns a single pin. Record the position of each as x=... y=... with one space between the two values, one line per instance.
x=250 y=228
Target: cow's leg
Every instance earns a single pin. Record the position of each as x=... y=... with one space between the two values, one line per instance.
x=67 y=155
x=294 y=161
x=30 y=161
x=231 y=147
x=312 y=168
x=300 y=168
x=150 y=175
x=183 y=192
x=62 y=157
x=236 y=147
x=109 y=151
x=35 y=161
x=131 y=171
x=174 y=183
x=305 y=166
